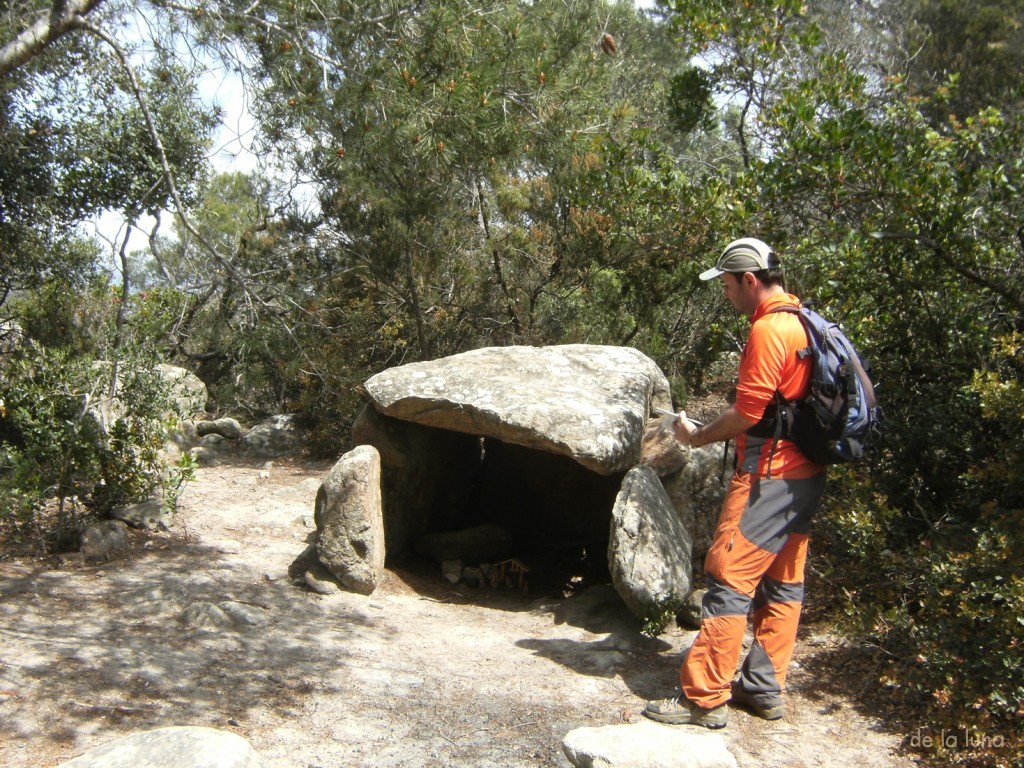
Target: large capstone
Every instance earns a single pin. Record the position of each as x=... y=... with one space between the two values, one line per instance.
x=587 y=402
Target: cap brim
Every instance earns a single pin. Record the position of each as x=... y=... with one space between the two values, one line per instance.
x=711 y=274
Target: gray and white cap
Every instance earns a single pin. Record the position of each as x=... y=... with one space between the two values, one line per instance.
x=748 y=254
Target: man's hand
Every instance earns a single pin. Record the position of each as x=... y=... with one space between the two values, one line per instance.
x=684 y=429
x=726 y=426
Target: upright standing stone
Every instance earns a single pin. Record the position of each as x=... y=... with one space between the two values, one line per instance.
x=427 y=475
x=649 y=547
x=696 y=491
x=350 y=521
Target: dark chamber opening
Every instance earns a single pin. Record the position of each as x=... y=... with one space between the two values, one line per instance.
x=557 y=512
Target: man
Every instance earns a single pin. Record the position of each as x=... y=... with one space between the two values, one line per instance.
x=760 y=545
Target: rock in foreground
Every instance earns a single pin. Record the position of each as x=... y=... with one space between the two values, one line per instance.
x=176 y=747
x=647 y=745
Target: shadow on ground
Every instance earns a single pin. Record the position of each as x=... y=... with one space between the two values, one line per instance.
x=94 y=647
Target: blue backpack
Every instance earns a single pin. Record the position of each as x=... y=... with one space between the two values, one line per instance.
x=839 y=418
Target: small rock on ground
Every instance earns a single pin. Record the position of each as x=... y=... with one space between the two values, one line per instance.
x=646 y=744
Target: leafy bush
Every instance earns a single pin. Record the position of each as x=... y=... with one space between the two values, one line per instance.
x=661 y=616
x=74 y=316
x=945 y=607
x=65 y=447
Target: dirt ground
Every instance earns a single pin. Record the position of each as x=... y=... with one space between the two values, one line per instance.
x=421 y=673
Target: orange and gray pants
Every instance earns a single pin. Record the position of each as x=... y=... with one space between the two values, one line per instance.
x=755 y=562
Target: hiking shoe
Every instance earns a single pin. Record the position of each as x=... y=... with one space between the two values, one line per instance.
x=765 y=705
x=679 y=710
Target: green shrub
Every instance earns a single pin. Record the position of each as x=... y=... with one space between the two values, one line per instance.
x=947 y=610
x=661 y=615
x=66 y=451
x=75 y=317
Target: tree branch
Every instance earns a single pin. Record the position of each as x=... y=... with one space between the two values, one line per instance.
x=63 y=17
x=499 y=275
x=156 y=249
x=122 y=309
x=165 y=165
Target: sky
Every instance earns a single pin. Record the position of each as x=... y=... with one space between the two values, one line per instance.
x=231 y=143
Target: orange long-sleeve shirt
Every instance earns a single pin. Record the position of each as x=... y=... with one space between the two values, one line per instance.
x=771 y=363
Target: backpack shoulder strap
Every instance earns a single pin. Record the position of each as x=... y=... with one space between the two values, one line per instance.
x=807 y=320
x=820 y=328
x=782 y=409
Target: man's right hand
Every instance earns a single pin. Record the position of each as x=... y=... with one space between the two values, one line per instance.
x=684 y=429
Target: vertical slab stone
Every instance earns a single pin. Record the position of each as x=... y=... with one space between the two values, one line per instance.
x=350 y=521
x=427 y=477
x=697 y=490
x=649 y=548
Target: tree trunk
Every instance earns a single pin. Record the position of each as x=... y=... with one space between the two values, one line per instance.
x=510 y=305
x=414 y=301
x=122 y=310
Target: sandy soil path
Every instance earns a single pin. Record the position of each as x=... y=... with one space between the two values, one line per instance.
x=418 y=674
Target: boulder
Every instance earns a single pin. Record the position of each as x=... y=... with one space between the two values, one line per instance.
x=181 y=438
x=151 y=514
x=103 y=541
x=205 y=455
x=584 y=401
x=692 y=611
x=174 y=747
x=244 y=613
x=280 y=435
x=350 y=521
x=660 y=450
x=649 y=549
x=227 y=428
x=212 y=441
x=187 y=389
x=307 y=570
